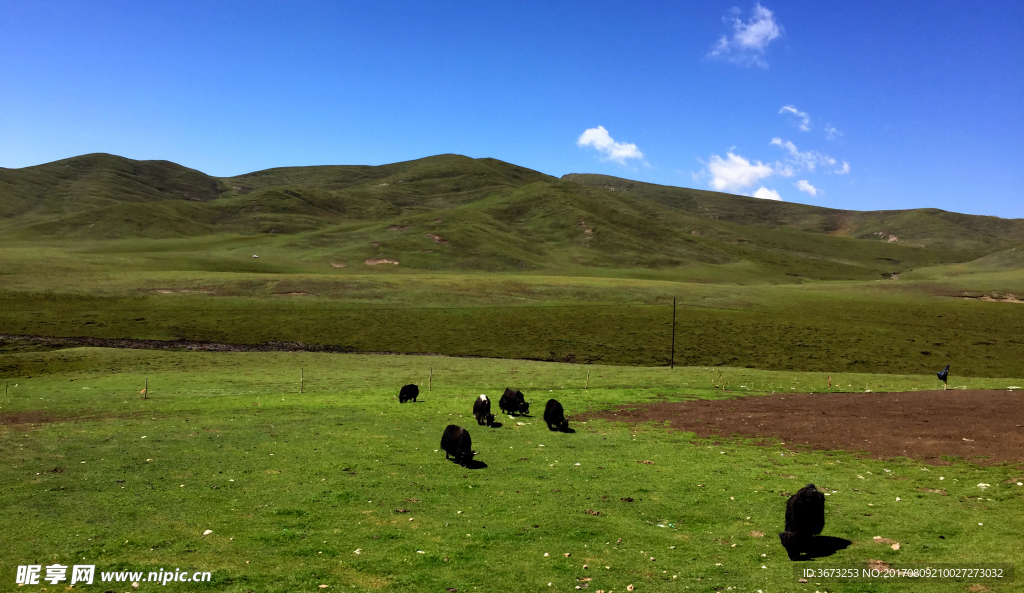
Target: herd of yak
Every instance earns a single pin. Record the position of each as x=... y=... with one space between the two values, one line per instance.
x=456 y=441
x=805 y=510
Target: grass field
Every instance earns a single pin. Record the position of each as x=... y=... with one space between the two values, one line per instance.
x=292 y=484
x=496 y=260
x=913 y=325
x=523 y=280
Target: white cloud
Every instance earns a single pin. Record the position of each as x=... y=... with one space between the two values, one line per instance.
x=767 y=194
x=803 y=160
x=734 y=172
x=804 y=186
x=831 y=132
x=805 y=120
x=784 y=170
x=601 y=140
x=749 y=39
x=844 y=170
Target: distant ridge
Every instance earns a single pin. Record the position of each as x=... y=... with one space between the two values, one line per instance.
x=455 y=212
x=925 y=226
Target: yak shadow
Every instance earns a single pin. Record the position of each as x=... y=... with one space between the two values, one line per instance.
x=474 y=464
x=565 y=430
x=496 y=424
x=820 y=546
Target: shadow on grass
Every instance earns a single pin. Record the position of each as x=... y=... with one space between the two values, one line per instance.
x=820 y=546
x=566 y=430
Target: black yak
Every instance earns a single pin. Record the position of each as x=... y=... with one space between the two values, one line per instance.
x=408 y=392
x=482 y=411
x=805 y=518
x=456 y=443
x=554 y=415
x=944 y=376
x=513 y=402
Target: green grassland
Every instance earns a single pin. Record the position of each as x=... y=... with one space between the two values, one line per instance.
x=292 y=484
x=914 y=325
x=500 y=261
x=497 y=264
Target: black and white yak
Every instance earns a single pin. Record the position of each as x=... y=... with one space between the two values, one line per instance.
x=482 y=411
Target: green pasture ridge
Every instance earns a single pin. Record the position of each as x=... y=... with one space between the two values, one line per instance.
x=450 y=212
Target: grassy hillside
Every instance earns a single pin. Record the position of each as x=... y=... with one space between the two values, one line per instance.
x=455 y=213
x=920 y=227
x=497 y=260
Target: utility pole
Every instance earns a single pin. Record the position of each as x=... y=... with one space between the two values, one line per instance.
x=672 y=360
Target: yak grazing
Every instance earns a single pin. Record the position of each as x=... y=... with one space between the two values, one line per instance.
x=805 y=518
x=456 y=443
x=513 y=402
x=482 y=411
x=554 y=415
x=408 y=392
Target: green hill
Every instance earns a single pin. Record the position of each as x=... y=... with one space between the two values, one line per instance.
x=928 y=227
x=450 y=212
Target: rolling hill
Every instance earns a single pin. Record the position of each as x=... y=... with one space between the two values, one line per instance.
x=451 y=212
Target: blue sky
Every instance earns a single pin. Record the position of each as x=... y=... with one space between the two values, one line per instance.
x=848 y=104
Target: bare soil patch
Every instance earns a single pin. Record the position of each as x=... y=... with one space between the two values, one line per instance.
x=182 y=290
x=54 y=342
x=371 y=261
x=29 y=418
x=994 y=296
x=982 y=426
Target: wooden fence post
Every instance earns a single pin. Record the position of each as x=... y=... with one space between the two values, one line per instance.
x=672 y=360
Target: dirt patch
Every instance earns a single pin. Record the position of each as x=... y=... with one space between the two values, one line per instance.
x=437 y=239
x=370 y=261
x=337 y=265
x=76 y=341
x=994 y=297
x=179 y=290
x=983 y=426
x=34 y=417
x=290 y=293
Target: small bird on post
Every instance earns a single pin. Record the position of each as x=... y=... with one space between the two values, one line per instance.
x=944 y=376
